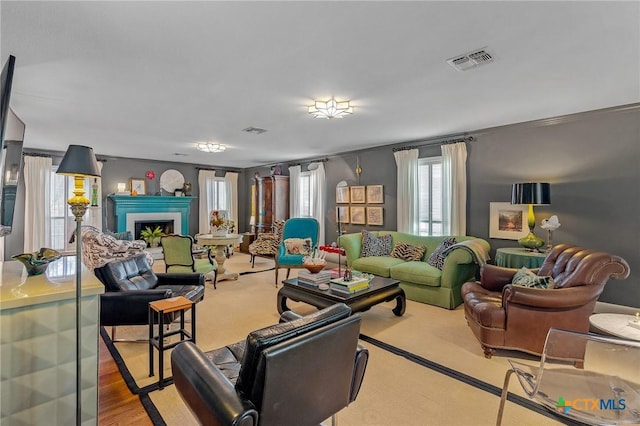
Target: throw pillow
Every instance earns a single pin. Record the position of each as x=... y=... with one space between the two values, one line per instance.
x=438 y=257
x=298 y=245
x=407 y=252
x=526 y=278
x=375 y=246
x=126 y=236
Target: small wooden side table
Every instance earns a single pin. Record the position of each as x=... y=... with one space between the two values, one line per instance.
x=515 y=257
x=157 y=310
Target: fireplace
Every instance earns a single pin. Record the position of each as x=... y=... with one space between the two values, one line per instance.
x=165 y=225
x=151 y=209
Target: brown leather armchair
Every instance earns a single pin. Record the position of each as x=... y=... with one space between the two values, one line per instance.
x=506 y=316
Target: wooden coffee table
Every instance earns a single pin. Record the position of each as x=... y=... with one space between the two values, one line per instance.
x=381 y=290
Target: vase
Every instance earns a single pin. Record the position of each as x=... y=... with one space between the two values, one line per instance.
x=36 y=263
x=219 y=231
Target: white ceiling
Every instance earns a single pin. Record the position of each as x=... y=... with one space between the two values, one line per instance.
x=150 y=79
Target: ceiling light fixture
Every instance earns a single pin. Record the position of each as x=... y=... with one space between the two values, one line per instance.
x=210 y=147
x=330 y=109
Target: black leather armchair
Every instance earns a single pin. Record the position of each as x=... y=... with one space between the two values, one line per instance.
x=297 y=372
x=130 y=284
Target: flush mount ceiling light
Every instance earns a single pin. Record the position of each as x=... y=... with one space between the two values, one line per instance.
x=330 y=109
x=210 y=147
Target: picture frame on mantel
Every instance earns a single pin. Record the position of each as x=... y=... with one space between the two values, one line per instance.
x=139 y=186
x=508 y=221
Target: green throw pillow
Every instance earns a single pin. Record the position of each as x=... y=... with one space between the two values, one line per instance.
x=526 y=278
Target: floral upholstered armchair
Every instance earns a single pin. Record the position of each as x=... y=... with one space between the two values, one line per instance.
x=266 y=245
x=100 y=248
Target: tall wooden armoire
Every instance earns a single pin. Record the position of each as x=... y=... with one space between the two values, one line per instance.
x=272 y=201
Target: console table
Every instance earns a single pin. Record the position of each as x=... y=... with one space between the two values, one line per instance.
x=516 y=257
x=37 y=324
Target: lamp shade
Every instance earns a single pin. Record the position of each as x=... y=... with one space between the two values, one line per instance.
x=79 y=161
x=531 y=193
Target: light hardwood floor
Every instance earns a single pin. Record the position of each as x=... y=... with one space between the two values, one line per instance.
x=116 y=404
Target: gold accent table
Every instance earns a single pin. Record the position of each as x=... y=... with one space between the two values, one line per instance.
x=220 y=242
x=37 y=325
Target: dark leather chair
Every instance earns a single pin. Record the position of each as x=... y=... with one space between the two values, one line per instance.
x=298 y=372
x=506 y=316
x=130 y=284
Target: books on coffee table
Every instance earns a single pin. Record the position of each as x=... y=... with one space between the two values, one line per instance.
x=340 y=286
x=314 y=280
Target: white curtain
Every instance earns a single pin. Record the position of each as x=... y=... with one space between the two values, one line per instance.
x=407 y=170
x=204 y=177
x=37 y=205
x=318 y=191
x=231 y=194
x=94 y=214
x=454 y=189
x=294 y=191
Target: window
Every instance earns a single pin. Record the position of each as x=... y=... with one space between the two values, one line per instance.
x=306 y=205
x=62 y=221
x=430 y=193
x=216 y=194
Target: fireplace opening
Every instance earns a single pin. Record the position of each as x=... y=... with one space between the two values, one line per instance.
x=165 y=225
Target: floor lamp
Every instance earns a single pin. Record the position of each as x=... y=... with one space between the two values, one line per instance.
x=79 y=162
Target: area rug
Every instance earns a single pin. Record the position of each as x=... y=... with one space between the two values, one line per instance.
x=426 y=367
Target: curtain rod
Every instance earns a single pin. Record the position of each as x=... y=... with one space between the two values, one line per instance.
x=35 y=154
x=222 y=169
x=319 y=160
x=444 y=142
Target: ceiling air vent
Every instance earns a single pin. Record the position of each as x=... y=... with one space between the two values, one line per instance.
x=471 y=60
x=254 y=130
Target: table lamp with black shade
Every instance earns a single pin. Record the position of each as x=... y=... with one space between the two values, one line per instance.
x=531 y=194
x=80 y=162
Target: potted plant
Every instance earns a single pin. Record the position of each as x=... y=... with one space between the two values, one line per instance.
x=152 y=237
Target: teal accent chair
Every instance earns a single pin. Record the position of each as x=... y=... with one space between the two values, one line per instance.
x=178 y=257
x=298 y=227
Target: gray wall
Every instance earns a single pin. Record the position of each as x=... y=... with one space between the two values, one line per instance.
x=591 y=160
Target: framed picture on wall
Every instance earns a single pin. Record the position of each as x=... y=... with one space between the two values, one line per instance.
x=508 y=221
x=357 y=195
x=374 y=216
x=357 y=215
x=138 y=186
x=375 y=194
x=342 y=214
x=342 y=194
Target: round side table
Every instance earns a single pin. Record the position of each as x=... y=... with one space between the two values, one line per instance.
x=220 y=242
x=516 y=257
x=615 y=325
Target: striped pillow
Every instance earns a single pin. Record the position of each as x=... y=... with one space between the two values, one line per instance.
x=407 y=252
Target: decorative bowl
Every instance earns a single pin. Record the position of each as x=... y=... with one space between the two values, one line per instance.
x=314 y=269
x=37 y=262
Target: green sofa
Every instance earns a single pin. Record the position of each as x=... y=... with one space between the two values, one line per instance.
x=419 y=280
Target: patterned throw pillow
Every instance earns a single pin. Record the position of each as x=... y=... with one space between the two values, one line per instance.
x=438 y=257
x=298 y=245
x=526 y=278
x=375 y=246
x=407 y=252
